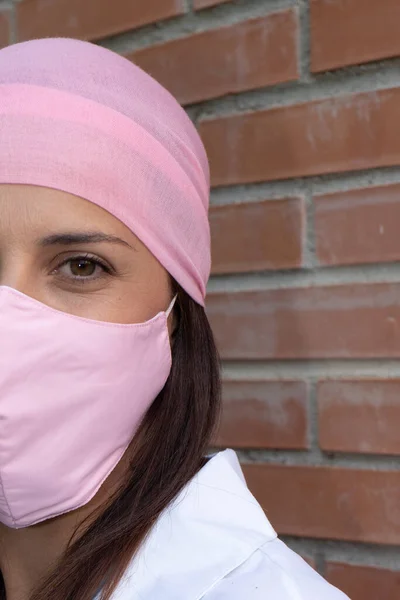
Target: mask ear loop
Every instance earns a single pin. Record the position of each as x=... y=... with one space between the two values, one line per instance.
x=171 y=306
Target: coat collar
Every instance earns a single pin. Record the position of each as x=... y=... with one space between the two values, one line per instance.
x=213 y=526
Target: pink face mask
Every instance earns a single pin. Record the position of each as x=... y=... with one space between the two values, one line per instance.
x=73 y=392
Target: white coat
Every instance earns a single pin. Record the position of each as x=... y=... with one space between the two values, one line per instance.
x=215 y=543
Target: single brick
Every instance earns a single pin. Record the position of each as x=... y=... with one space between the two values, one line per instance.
x=341 y=321
x=359 y=416
x=358 y=226
x=231 y=59
x=330 y=503
x=364 y=583
x=258 y=235
x=91 y=19
x=264 y=414
x=334 y=135
x=351 y=32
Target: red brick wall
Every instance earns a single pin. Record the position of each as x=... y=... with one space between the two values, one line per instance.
x=298 y=103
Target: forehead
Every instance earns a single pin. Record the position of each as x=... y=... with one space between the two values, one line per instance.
x=35 y=209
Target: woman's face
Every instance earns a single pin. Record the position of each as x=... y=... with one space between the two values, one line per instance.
x=75 y=257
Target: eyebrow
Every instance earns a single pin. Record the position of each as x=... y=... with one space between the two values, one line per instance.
x=69 y=239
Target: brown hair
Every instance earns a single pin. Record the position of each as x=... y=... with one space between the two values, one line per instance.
x=167 y=452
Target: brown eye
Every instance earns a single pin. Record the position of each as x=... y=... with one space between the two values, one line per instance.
x=81 y=267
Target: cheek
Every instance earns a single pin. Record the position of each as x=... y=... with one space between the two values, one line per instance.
x=121 y=304
x=134 y=299
x=151 y=293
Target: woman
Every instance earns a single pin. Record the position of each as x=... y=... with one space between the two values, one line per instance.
x=109 y=385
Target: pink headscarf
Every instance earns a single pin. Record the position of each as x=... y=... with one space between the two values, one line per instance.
x=79 y=118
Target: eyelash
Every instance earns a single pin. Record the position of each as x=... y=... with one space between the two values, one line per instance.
x=84 y=257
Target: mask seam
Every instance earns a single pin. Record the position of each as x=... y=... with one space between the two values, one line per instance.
x=6 y=501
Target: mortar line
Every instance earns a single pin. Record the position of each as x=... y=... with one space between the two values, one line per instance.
x=188 y=6
x=353 y=553
x=311 y=370
x=14 y=27
x=330 y=87
x=312 y=414
x=320 y=184
x=313 y=458
x=8 y=7
x=304 y=41
x=308 y=238
x=193 y=22
x=330 y=276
